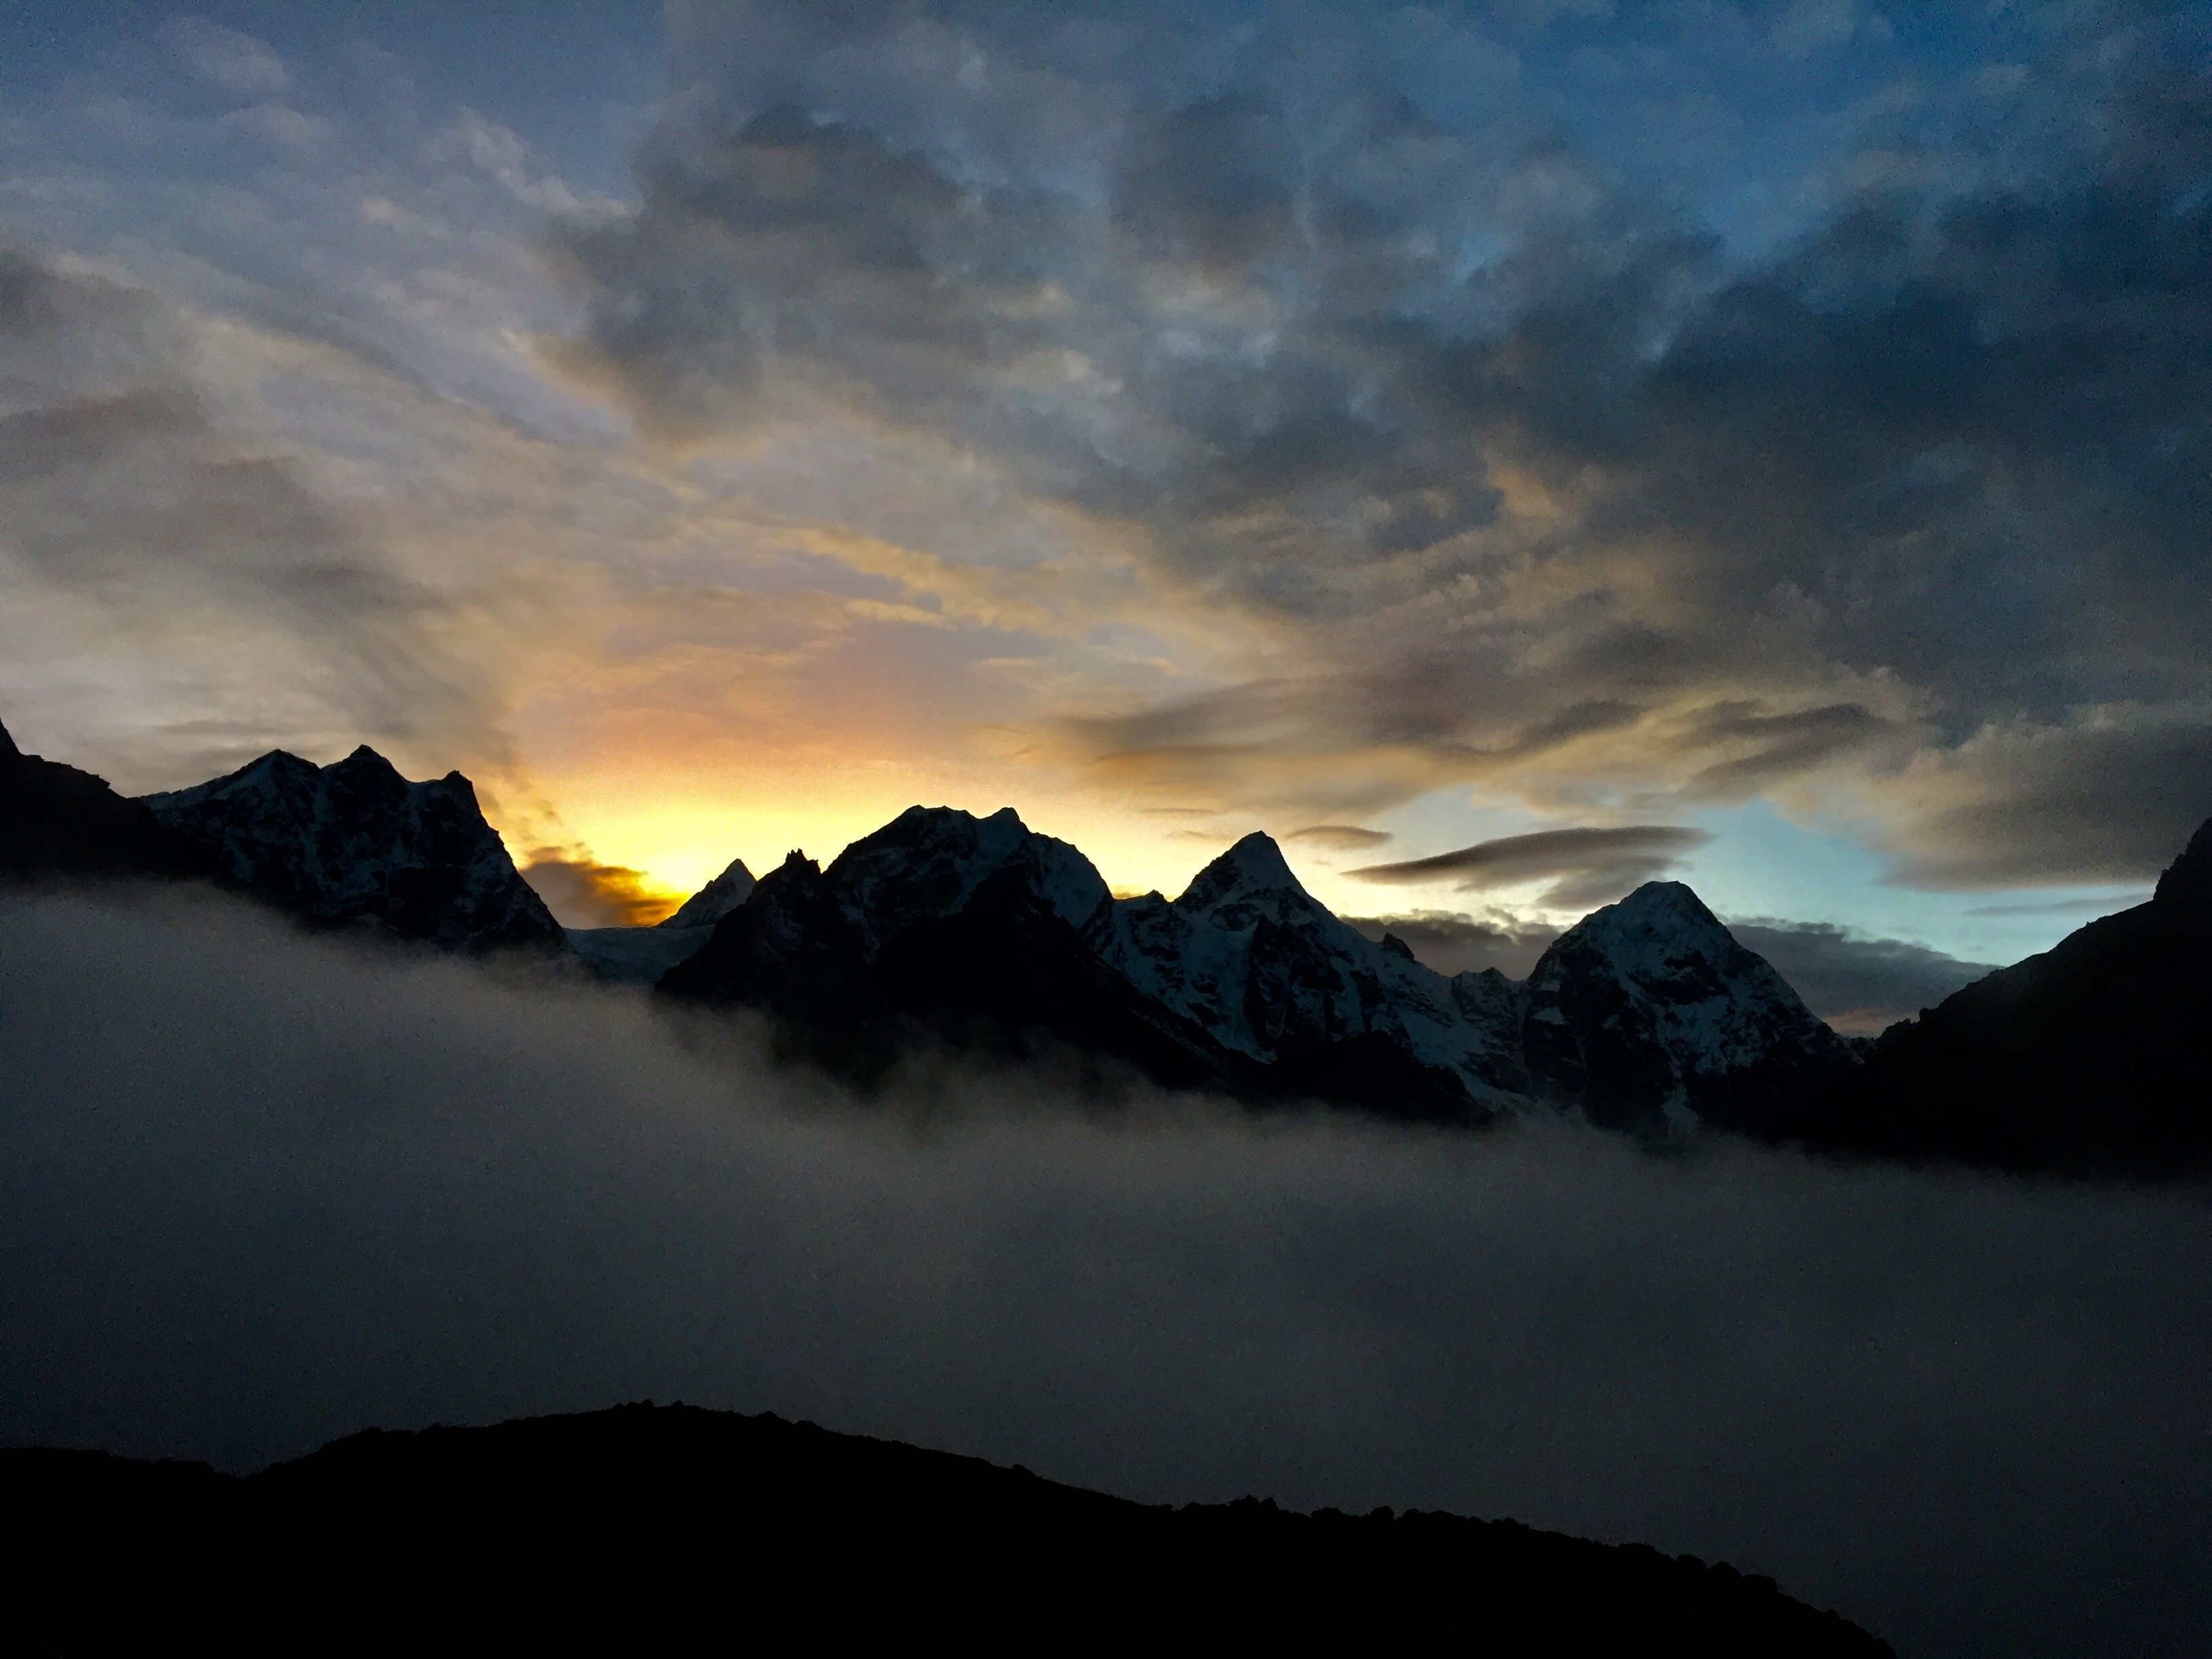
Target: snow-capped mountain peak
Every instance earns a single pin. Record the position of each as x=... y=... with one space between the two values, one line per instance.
x=930 y=861
x=715 y=900
x=1248 y=957
x=355 y=841
x=1254 y=868
x=1648 y=1014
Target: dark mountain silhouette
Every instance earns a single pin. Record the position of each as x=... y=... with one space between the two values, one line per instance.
x=56 y=822
x=963 y=928
x=2090 y=1057
x=356 y=843
x=667 y=1529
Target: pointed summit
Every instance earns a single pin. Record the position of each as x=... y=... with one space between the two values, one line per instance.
x=1649 y=1015
x=1254 y=867
x=1660 y=903
x=8 y=750
x=716 y=899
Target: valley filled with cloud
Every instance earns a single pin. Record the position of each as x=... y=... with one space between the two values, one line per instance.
x=263 y=1188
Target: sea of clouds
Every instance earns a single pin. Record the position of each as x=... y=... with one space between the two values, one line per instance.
x=259 y=1189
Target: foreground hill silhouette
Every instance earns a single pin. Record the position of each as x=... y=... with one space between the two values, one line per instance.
x=651 y=1529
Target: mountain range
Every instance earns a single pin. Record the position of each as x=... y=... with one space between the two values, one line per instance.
x=1647 y=1016
x=668 y=1528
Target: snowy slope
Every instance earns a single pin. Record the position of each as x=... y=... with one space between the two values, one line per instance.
x=1254 y=961
x=356 y=842
x=930 y=861
x=713 y=901
x=636 y=955
x=1648 y=1015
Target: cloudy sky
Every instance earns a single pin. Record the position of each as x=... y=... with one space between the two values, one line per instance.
x=1509 y=451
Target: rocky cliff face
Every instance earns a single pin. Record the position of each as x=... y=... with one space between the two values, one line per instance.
x=357 y=843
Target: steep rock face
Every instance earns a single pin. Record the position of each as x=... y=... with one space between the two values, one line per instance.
x=56 y=822
x=2091 y=1057
x=1249 y=959
x=714 y=900
x=1649 y=1016
x=355 y=843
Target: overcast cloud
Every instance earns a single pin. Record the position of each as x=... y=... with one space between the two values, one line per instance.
x=259 y=1189
x=1897 y=514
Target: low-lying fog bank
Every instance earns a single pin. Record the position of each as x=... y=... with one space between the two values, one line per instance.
x=259 y=1189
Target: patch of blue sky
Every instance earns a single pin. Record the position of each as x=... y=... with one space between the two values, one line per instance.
x=1761 y=864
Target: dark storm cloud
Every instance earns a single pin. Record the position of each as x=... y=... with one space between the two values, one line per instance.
x=1418 y=375
x=1451 y=942
x=1587 y=868
x=1856 y=983
x=2116 y=799
x=258 y=1189
x=582 y=892
x=123 y=488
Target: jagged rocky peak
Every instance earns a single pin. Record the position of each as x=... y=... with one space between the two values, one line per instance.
x=715 y=900
x=8 y=750
x=930 y=861
x=355 y=842
x=2188 y=880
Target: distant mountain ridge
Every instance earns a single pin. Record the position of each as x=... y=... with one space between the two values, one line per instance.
x=1648 y=1016
x=1247 y=982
